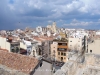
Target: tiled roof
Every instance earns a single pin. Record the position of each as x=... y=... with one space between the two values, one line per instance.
x=3 y=50
x=3 y=36
x=18 y=62
x=43 y=38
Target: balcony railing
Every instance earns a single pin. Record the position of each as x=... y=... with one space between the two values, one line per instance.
x=62 y=49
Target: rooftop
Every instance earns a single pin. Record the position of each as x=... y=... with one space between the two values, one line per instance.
x=61 y=40
x=15 y=42
x=43 y=38
x=18 y=62
x=3 y=50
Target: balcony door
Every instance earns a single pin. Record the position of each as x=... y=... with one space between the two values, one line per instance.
x=61 y=58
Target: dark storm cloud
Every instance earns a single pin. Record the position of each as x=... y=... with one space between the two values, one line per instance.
x=6 y=16
x=37 y=13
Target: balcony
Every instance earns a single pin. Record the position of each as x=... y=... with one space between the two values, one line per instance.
x=61 y=40
x=61 y=46
x=62 y=49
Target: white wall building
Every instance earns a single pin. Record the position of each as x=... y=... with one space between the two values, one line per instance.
x=77 y=33
x=75 y=43
x=94 y=47
x=98 y=33
x=4 y=44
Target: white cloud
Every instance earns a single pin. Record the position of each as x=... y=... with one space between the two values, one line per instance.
x=59 y=7
x=50 y=21
x=11 y=7
x=82 y=23
x=75 y=5
x=90 y=6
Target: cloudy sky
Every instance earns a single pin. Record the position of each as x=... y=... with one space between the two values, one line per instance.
x=67 y=13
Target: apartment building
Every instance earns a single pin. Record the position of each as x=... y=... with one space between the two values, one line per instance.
x=75 y=43
x=93 y=47
x=4 y=44
x=8 y=44
x=59 y=50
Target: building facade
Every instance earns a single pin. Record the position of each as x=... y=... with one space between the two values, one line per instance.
x=59 y=51
x=94 y=47
x=4 y=44
x=75 y=43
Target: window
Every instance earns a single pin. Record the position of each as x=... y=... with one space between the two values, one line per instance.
x=70 y=41
x=58 y=53
x=92 y=41
x=61 y=58
x=64 y=54
x=70 y=45
x=90 y=51
x=61 y=53
x=64 y=44
x=12 y=50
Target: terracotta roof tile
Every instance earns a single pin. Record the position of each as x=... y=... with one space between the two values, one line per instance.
x=43 y=38
x=18 y=62
x=3 y=36
x=3 y=50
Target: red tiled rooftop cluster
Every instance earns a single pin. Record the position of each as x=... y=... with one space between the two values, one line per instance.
x=18 y=62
